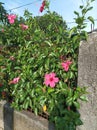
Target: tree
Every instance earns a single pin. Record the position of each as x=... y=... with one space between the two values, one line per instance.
x=3 y=13
x=50 y=20
x=51 y=24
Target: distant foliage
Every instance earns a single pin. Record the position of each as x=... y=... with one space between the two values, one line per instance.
x=3 y=14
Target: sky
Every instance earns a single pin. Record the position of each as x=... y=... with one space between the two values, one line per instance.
x=65 y=8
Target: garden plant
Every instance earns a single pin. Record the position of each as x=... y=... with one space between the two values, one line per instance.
x=39 y=64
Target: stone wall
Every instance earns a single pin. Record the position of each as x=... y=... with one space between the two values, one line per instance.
x=14 y=120
x=1 y=115
x=87 y=76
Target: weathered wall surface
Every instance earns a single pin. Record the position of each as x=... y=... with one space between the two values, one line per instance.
x=1 y=115
x=14 y=120
x=87 y=76
x=28 y=121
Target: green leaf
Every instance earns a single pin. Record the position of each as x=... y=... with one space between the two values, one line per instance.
x=90 y=8
x=71 y=75
x=84 y=11
x=81 y=6
x=30 y=103
x=25 y=105
x=17 y=68
x=71 y=32
x=76 y=13
x=36 y=111
x=84 y=35
x=69 y=101
x=76 y=96
x=78 y=122
x=76 y=104
x=50 y=90
x=70 y=92
x=84 y=98
x=91 y=19
x=50 y=44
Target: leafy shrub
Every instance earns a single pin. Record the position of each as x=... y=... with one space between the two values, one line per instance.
x=39 y=67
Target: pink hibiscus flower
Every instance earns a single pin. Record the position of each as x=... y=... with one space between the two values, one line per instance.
x=42 y=7
x=66 y=65
x=23 y=26
x=15 y=80
x=11 y=18
x=51 y=79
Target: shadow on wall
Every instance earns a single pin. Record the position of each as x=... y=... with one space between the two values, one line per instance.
x=8 y=115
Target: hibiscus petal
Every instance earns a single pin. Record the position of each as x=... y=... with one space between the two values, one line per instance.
x=47 y=76
x=11 y=21
x=53 y=74
x=56 y=80
x=52 y=84
x=46 y=82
